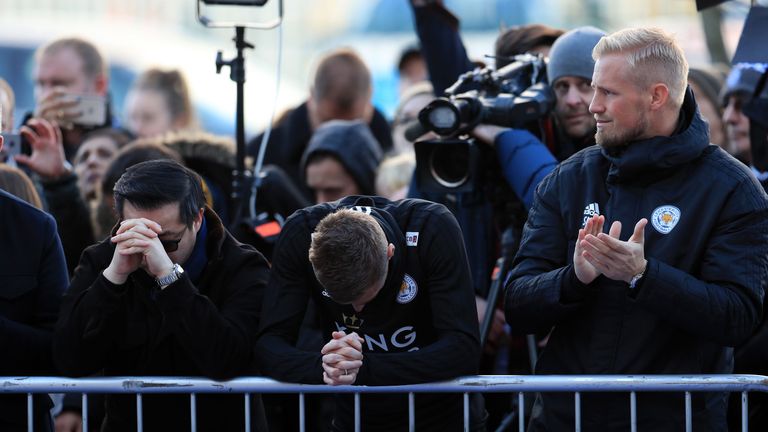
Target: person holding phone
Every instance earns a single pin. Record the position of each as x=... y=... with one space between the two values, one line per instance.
x=71 y=84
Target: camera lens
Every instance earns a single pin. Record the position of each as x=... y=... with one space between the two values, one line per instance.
x=443 y=117
x=449 y=164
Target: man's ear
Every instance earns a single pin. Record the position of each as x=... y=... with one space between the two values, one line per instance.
x=390 y=251
x=198 y=222
x=659 y=96
x=1 y=142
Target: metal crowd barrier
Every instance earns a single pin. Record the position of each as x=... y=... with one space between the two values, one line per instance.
x=519 y=384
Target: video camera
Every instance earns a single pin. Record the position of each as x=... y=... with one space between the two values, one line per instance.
x=513 y=96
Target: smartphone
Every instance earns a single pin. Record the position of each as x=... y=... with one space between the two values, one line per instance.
x=11 y=146
x=93 y=110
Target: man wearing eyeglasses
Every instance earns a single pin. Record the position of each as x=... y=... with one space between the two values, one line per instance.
x=170 y=293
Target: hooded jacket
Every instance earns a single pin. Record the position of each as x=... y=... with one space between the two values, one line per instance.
x=290 y=138
x=707 y=249
x=353 y=145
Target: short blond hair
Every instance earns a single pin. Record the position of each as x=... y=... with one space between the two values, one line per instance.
x=348 y=253
x=655 y=56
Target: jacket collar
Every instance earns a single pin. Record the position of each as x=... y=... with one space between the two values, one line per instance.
x=647 y=160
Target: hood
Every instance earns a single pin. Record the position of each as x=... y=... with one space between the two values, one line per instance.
x=353 y=145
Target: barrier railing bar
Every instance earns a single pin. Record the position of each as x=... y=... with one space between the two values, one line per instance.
x=466 y=412
x=247 y=398
x=633 y=411
x=357 y=412
x=521 y=412
x=302 y=418
x=139 y=413
x=30 y=419
x=84 y=403
x=193 y=412
x=577 y=411
x=688 y=417
x=472 y=384
x=744 y=412
x=411 y=413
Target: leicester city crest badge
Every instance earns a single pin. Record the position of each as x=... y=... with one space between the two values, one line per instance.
x=408 y=290
x=665 y=218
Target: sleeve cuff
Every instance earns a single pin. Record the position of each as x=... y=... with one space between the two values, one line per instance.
x=573 y=290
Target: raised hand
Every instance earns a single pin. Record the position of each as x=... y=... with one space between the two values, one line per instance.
x=616 y=259
x=138 y=246
x=585 y=271
x=47 y=159
x=59 y=107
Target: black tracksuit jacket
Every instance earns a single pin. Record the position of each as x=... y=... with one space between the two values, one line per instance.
x=421 y=327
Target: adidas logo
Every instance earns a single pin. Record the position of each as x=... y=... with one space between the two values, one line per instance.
x=589 y=211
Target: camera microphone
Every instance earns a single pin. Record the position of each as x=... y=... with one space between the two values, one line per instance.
x=414 y=130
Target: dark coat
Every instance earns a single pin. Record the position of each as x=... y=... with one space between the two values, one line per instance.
x=72 y=216
x=204 y=329
x=33 y=277
x=707 y=249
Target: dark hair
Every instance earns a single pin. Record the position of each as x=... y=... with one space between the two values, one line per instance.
x=522 y=39
x=410 y=53
x=153 y=184
x=128 y=156
x=120 y=137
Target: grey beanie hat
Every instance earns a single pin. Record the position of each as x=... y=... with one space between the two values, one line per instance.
x=571 y=54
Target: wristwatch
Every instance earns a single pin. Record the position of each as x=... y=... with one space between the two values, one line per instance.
x=635 y=279
x=171 y=277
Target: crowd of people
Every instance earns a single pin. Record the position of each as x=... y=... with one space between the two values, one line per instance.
x=632 y=216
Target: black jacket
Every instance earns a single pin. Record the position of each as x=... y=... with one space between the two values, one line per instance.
x=204 y=329
x=702 y=289
x=290 y=138
x=427 y=303
x=33 y=277
x=72 y=215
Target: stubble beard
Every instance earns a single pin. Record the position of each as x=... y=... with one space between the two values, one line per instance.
x=608 y=140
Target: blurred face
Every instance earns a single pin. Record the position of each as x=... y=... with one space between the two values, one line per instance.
x=91 y=162
x=737 y=127
x=175 y=234
x=711 y=114
x=618 y=105
x=408 y=114
x=413 y=71
x=573 y=95
x=6 y=112
x=62 y=69
x=147 y=113
x=329 y=180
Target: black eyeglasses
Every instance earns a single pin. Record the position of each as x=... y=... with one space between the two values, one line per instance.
x=171 y=245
